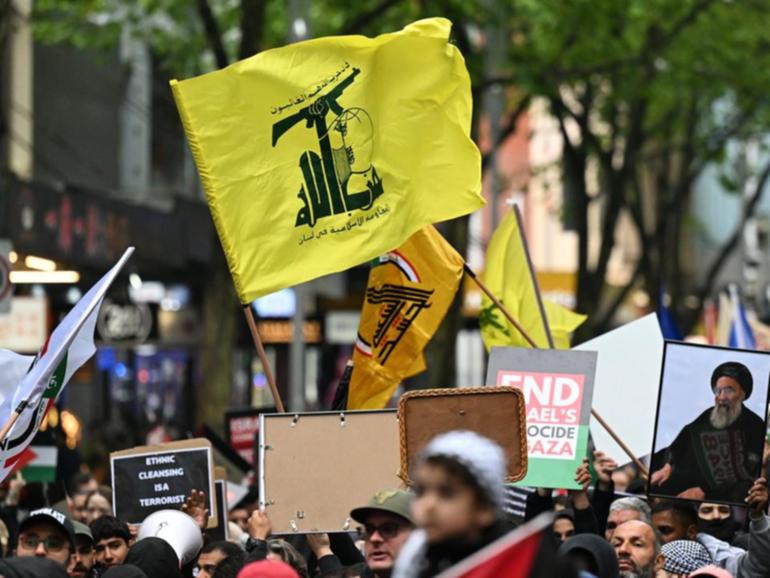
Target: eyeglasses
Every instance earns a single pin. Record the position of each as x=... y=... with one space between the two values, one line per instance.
x=387 y=530
x=51 y=543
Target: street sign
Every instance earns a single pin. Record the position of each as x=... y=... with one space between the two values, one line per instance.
x=6 y=289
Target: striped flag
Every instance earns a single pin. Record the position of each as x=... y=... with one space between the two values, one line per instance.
x=40 y=464
x=741 y=335
x=69 y=346
x=515 y=555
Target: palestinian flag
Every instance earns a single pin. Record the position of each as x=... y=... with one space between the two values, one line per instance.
x=69 y=346
x=526 y=552
x=38 y=463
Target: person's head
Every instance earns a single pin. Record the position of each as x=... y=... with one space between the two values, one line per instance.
x=386 y=523
x=638 y=549
x=681 y=557
x=711 y=572
x=592 y=554
x=82 y=483
x=624 y=510
x=82 y=560
x=717 y=520
x=731 y=384
x=675 y=521
x=282 y=551
x=268 y=569
x=98 y=503
x=112 y=539
x=155 y=557
x=458 y=484
x=212 y=554
x=230 y=566
x=78 y=507
x=46 y=533
x=124 y=571
x=564 y=525
x=710 y=511
x=241 y=517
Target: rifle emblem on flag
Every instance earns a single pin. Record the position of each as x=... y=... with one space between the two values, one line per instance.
x=328 y=178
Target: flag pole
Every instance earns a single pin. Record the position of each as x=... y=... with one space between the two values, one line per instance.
x=263 y=357
x=8 y=425
x=536 y=286
x=532 y=276
x=498 y=304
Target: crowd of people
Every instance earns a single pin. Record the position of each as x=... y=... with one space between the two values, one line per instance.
x=453 y=508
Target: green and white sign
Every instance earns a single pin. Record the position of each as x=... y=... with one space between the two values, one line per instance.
x=558 y=388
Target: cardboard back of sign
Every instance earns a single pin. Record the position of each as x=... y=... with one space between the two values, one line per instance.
x=557 y=386
x=146 y=479
x=316 y=467
x=494 y=412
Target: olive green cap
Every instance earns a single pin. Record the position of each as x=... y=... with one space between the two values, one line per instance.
x=390 y=501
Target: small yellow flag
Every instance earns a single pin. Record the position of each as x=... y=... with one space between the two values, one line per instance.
x=409 y=292
x=507 y=276
x=324 y=154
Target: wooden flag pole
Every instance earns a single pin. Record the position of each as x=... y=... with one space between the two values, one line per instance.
x=498 y=304
x=533 y=277
x=8 y=425
x=644 y=471
x=263 y=357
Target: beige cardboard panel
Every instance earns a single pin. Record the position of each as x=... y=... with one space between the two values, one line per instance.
x=318 y=467
x=495 y=412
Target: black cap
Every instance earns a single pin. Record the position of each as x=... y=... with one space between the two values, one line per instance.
x=736 y=371
x=55 y=517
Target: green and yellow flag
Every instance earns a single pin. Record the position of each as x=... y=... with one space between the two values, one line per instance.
x=324 y=154
x=410 y=290
x=507 y=276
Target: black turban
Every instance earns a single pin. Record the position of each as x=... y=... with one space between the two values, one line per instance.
x=738 y=372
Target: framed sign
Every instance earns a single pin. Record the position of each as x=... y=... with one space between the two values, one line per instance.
x=710 y=426
x=316 y=467
x=557 y=387
x=242 y=429
x=146 y=479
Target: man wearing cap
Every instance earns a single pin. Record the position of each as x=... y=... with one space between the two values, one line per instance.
x=82 y=562
x=46 y=533
x=386 y=524
x=717 y=456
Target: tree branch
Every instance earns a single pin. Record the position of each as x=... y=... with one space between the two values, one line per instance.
x=357 y=24
x=252 y=27
x=732 y=243
x=508 y=130
x=213 y=34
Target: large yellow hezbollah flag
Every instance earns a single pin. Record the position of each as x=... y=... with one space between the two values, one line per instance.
x=507 y=276
x=408 y=294
x=321 y=155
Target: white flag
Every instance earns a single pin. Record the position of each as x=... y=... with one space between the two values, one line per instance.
x=13 y=366
x=70 y=345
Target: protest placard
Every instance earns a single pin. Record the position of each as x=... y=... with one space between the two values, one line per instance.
x=617 y=387
x=146 y=479
x=241 y=429
x=557 y=387
x=710 y=426
x=494 y=412
x=316 y=467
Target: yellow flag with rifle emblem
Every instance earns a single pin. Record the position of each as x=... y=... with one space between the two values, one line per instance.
x=410 y=290
x=324 y=154
x=507 y=277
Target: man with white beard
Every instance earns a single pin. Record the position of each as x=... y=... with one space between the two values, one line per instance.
x=718 y=455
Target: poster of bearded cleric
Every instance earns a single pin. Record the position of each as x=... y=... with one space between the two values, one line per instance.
x=710 y=427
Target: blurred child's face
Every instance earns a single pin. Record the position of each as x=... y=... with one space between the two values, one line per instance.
x=446 y=507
